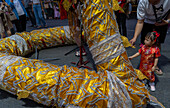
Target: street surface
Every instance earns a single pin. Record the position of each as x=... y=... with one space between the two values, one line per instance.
x=162 y=92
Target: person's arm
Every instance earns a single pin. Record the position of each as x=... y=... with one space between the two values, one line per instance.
x=164 y=22
x=141 y=13
x=138 y=30
x=8 y=7
x=6 y=4
x=155 y=64
x=133 y=56
x=22 y=1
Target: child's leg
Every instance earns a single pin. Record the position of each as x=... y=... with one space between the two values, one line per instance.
x=9 y=32
x=152 y=81
x=152 y=86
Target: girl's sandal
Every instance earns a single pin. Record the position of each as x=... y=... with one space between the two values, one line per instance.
x=158 y=71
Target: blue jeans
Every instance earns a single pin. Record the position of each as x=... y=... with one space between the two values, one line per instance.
x=38 y=15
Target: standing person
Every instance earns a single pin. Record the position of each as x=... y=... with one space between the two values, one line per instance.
x=5 y=23
x=49 y=7
x=56 y=11
x=121 y=18
x=20 y=12
x=149 y=57
x=37 y=9
x=152 y=15
x=31 y=16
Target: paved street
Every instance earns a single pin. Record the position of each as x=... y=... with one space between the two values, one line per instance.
x=162 y=92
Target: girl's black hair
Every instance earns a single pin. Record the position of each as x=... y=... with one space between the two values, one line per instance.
x=153 y=36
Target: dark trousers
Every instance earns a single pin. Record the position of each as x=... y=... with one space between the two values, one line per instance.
x=151 y=27
x=121 y=20
x=50 y=12
x=21 y=23
x=31 y=16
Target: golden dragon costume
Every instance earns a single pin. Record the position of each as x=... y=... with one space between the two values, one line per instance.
x=115 y=85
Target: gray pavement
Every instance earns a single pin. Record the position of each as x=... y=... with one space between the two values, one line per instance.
x=162 y=92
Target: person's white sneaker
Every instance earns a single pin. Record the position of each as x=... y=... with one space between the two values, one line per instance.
x=152 y=86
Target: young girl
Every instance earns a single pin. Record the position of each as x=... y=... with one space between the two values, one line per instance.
x=149 y=57
x=5 y=23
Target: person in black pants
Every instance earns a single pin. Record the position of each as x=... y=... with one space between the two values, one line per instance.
x=21 y=14
x=20 y=23
x=28 y=7
x=121 y=20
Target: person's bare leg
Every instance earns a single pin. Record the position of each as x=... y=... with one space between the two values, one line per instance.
x=9 y=32
x=77 y=37
x=158 y=70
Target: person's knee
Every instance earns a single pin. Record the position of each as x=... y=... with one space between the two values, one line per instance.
x=9 y=32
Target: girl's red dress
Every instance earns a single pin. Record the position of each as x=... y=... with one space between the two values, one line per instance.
x=148 y=55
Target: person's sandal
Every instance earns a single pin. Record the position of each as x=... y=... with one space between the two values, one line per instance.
x=78 y=53
x=38 y=27
x=158 y=71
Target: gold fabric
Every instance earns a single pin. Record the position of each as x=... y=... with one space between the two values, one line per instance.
x=66 y=5
x=140 y=75
x=115 y=85
x=107 y=49
x=49 y=84
x=126 y=42
x=24 y=43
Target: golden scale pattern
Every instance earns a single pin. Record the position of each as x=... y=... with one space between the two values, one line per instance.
x=115 y=84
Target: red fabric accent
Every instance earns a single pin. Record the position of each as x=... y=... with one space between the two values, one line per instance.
x=140 y=50
x=141 y=45
x=62 y=40
x=63 y=12
x=157 y=35
x=73 y=6
x=157 y=52
x=123 y=2
x=29 y=44
x=43 y=43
